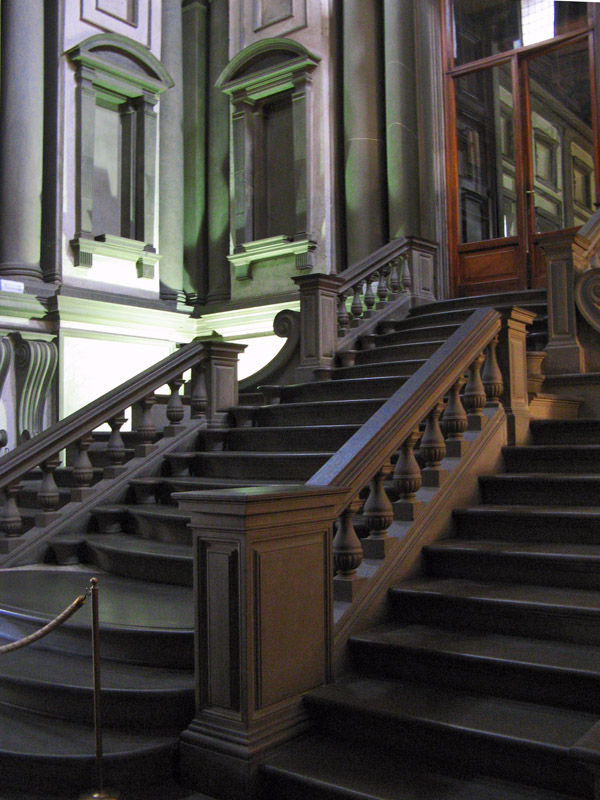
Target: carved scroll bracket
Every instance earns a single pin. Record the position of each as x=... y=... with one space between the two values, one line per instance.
x=587 y=297
x=35 y=366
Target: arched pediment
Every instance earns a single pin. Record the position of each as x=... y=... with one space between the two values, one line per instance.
x=116 y=57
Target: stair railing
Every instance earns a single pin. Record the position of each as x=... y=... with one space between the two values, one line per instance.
x=209 y=360
x=384 y=285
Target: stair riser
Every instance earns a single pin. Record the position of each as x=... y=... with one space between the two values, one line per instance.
x=513 y=569
x=443 y=318
x=421 y=334
x=342 y=390
x=317 y=414
x=309 y=439
x=57 y=774
x=494 y=617
x=503 y=758
x=401 y=369
x=152 y=710
x=177 y=571
x=570 y=461
x=502 y=678
x=566 y=432
x=273 y=785
x=271 y=467
x=175 y=531
x=513 y=528
x=134 y=645
x=405 y=352
x=539 y=492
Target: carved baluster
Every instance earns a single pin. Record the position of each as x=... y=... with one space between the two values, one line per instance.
x=343 y=317
x=474 y=395
x=356 y=308
x=369 y=298
x=378 y=514
x=11 y=521
x=407 y=479
x=115 y=447
x=382 y=286
x=433 y=448
x=48 y=495
x=83 y=471
x=405 y=275
x=395 y=276
x=146 y=430
x=199 y=395
x=491 y=375
x=175 y=409
x=455 y=422
x=347 y=555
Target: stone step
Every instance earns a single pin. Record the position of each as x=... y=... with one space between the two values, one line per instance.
x=319 y=768
x=541 y=489
x=154 y=560
x=342 y=389
x=529 y=523
x=535 y=298
x=545 y=564
x=426 y=333
x=140 y=622
x=398 y=352
x=558 y=673
x=307 y=439
x=352 y=412
x=265 y=466
x=509 y=739
x=456 y=317
x=543 y=612
x=566 y=458
x=39 y=753
x=402 y=369
x=60 y=685
x=565 y=431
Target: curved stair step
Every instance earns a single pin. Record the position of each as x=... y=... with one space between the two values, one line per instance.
x=343 y=389
x=536 y=523
x=144 y=559
x=566 y=431
x=546 y=490
x=565 y=458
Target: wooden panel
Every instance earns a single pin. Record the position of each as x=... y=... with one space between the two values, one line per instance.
x=490 y=269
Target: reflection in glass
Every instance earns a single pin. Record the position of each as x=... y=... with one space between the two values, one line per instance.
x=486 y=155
x=485 y=27
x=561 y=132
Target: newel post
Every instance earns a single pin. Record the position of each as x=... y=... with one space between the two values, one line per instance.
x=318 y=321
x=220 y=376
x=512 y=360
x=564 y=353
x=263 y=587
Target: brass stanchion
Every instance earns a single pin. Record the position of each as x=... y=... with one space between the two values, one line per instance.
x=100 y=793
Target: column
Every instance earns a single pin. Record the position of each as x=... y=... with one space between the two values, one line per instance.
x=21 y=138
x=366 y=223
x=218 y=155
x=401 y=119
x=171 y=157
x=194 y=36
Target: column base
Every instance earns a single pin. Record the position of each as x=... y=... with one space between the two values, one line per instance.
x=20 y=272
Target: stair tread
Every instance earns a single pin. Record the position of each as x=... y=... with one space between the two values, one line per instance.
x=541 y=549
x=319 y=762
x=137 y=545
x=42 y=593
x=549 y=597
x=544 y=725
x=483 y=646
x=526 y=512
x=145 y=509
x=29 y=735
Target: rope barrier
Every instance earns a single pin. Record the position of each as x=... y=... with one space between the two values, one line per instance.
x=52 y=625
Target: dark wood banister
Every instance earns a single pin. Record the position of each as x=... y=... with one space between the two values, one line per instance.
x=51 y=441
x=359 y=459
x=371 y=263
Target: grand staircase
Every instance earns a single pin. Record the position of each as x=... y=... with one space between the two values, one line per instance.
x=483 y=678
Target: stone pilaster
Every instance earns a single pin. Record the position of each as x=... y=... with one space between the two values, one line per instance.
x=21 y=137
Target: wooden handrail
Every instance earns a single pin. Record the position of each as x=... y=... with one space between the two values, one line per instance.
x=56 y=438
x=360 y=458
x=371 y=263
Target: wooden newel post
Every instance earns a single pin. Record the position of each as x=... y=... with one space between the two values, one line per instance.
x=318 y=321
x=263 y=583
x=220 y=377
x=512 y=360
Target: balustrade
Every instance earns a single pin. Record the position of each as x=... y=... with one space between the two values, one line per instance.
x=389 y=280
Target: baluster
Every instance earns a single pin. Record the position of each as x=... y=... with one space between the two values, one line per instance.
x=407 y=479
x=369 y=298
x=378 y=514
x=11 y=521
x=395 y=276
x=199 y=395
x=343 y=317
x=347 y=555
x=405 y=275
x=115 y=448
x=146 y=430
x=356 y=308
x=433 y=448
x=83 y=471
x=455 y=422
x=48 y=495
x=491 y=375
x=175 y=410
x=474 y=395
x=382 y=286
